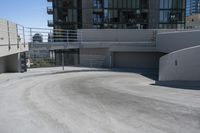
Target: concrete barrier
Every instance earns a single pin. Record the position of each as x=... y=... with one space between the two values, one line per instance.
x=9 y=43
x=182 y=65
x=117 y=35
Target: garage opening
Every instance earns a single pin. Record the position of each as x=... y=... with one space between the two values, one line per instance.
x=139 y=60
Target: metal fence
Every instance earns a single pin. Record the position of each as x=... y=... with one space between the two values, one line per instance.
x=12 y=34
x=52 y=35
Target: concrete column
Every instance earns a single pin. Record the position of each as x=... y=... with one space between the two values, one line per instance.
x=2 y=65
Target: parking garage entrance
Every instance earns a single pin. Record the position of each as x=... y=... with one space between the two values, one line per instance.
x=67 y=57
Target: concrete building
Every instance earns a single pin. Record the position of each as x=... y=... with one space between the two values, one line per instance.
x=173 y=52
x=12 y=47
x=181 y=63
x=192 y=7
x=117 y=14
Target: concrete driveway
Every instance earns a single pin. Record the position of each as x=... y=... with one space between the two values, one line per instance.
x=43 y=101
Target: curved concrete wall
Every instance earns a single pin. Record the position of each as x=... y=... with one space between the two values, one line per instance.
x=182 y=65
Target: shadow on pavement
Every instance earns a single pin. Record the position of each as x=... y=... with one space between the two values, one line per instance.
x=149 y=73
x=189 y=85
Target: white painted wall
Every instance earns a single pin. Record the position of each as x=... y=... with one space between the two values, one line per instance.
x=182 y=65
x=128 y=40
x=11 y=29
x=5 y=26
x=171 y=41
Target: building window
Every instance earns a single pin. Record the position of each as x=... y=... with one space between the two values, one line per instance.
x=172 y=12
x=120 y=13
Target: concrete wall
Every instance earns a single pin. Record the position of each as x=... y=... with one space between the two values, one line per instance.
x=117 y=35
x=6 y=26
x=9 y=40
x=193 y=21
x=12 y=63
x=134 y=48
x=92 y=57
x=182 y=65
x=172 y=41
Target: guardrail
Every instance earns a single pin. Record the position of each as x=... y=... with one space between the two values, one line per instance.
x=53 y=35
x=17 y=34
x=14 y=34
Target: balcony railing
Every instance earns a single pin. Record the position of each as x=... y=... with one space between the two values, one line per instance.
x=50 y=23
x=49 y=10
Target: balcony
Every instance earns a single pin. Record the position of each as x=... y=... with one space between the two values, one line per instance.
x=50 y=23
x=50 y=0
x=49 y=10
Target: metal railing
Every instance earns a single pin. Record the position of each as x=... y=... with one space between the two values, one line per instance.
x=12 y=34
x=15 y=34
x=53 y=35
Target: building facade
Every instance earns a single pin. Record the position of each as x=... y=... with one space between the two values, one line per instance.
x=117 y=14
x=192 y=7
x=13 y=47
x=172 y=14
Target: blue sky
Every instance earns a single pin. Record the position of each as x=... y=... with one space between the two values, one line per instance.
x=30 y=13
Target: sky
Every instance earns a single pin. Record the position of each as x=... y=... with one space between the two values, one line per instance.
x=29 y=13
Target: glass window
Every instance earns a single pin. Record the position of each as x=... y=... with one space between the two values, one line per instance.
x=106 y=15
x=124 y=3
x=70 y=15
x=106 y=3
x=115 y=3
x=120 y=3
x=75 y=3
x=129 y=3
x=74 y=15
x=137 y=3
x=110 y=3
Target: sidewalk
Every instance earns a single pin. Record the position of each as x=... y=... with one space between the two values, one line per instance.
x=45 y=71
